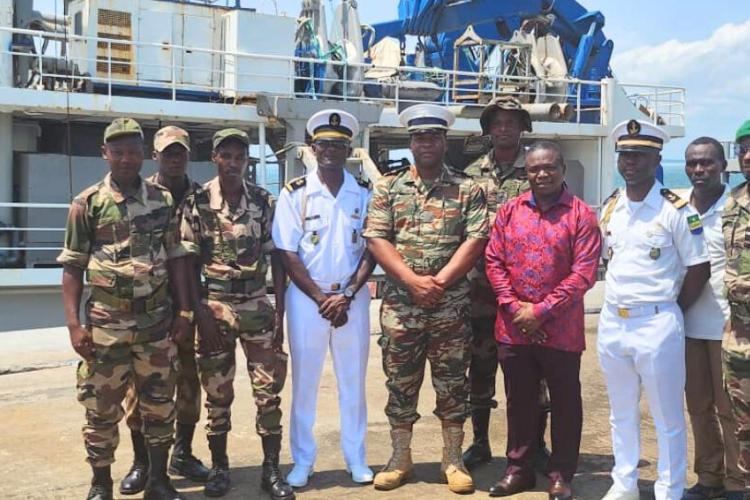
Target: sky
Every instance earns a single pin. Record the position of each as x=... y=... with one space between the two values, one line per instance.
x=699 y=45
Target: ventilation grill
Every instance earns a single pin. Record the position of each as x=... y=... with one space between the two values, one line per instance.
x=115 y=25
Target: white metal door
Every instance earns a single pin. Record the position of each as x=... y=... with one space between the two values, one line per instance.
x=155 y=61
x=197 y=66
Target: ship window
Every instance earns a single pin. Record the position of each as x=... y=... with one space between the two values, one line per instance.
x=78 y=23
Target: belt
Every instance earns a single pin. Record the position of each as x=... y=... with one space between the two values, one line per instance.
x=638 y=311
x=232 y=286
x=137 y=306
x=329 y=286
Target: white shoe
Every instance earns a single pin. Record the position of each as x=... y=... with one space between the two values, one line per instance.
x=617 y=494
x=361 y=474
x=299 y=475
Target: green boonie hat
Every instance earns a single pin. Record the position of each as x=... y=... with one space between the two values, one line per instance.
x=507 y=103
x=169 y=135
x=226 y=133
x=120 y=127
x=743 y=131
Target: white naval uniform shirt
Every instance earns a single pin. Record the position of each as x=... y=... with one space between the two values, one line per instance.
x=705 y=318
x=329 y=239
x=649 y=248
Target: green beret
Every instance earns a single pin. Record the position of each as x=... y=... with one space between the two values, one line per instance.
x=743 y=131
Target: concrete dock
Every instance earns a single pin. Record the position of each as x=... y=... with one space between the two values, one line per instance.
x=42 y=455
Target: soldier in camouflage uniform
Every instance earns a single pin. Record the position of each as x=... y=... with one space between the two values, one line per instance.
x=426 y=226
x=123 y=233
x=736 y=342
x=502 y=176
x=227 y=226
x=171 y=152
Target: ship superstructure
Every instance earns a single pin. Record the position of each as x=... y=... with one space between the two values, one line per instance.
x=203 y=66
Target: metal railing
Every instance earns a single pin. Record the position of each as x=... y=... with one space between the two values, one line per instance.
x=239 y=75
x=664 y=105
x=18 y=243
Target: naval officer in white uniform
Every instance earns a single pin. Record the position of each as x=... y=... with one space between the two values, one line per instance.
x=657 y=267
x=318 y=226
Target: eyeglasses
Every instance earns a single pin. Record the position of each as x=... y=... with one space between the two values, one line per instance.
x=741 y=150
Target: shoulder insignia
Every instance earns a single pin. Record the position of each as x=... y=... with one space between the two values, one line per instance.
x=363 y=183
x=397 y=171
x=694 y=223
x=672 y=198
x=612 y=196
x=609 y=207
x=296 y=183
x=457 y=172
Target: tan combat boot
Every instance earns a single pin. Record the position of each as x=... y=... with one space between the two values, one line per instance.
x=399 y=467
x=452 y=467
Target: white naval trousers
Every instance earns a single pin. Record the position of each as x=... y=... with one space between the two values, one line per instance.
x=647 y=350
x=310 y=337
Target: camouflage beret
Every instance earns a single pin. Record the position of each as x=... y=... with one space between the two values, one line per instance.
x=227 y=133
x=507 y=103
x=169 y=135
x=121 y=127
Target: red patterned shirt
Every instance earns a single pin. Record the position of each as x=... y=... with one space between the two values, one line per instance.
x=547 y=258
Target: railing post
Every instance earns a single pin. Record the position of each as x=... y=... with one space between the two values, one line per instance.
x=174 y=74
x=578 y=102
x=109 y=71
x=262 y=147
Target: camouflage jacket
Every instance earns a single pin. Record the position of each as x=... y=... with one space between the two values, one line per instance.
x=232 y=244
x=179 y=204
x=123 y=243
x=500 y=183
x=427 y=223
x=736 y=227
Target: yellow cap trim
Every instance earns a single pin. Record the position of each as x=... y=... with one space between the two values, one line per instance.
x=331 y=134
x=639 y=142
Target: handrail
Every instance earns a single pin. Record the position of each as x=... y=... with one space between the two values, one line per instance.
x=216 y=80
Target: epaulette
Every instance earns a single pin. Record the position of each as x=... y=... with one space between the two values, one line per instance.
x=457 y=172
x=91 y=190
x=397 y=171
x=363 y=183
x=609 y=207
x=296 y=183
x=672 y=198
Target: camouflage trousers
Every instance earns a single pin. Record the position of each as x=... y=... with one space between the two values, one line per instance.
x=188 y=400
x=102 y=384
x=483 y=368
x=251 y=320
x=411 y=336
x=736 y=366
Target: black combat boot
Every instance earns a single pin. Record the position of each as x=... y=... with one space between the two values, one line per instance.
x=183 y=463
x=135 y=481
x=541 y=459
x=158 y=486
x=101 y=484
x=272 y=481
x=479 y=452
x=218 y=482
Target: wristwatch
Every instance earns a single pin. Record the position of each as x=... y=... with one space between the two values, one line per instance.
x=186 y=314
x=349 y=292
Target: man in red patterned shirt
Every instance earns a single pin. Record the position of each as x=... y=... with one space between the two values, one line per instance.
x=542 y=257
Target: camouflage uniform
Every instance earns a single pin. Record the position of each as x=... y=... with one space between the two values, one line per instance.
x=123 y=243
x=426 y=224
x=500 y=183
x=232 y=246
x=188 y=401
x=736 y=343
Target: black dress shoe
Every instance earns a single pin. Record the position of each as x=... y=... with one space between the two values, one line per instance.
x=512 y=484
x=560 y=490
